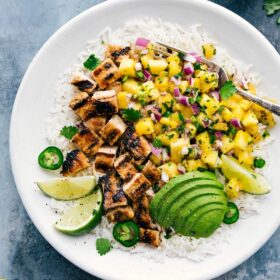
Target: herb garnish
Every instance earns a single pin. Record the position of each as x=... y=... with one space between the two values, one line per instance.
x=227 y=90
x=259 y=162
x=103 y=246
x=271 y=7
x=131 y=114
x=157 y=143
x=69 y=131
x=92 y=62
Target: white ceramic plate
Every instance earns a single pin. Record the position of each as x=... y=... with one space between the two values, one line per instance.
x=35 y=96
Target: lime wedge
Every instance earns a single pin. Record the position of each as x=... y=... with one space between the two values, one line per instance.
x=83 y=216
x=252 y=182
x=68 y=188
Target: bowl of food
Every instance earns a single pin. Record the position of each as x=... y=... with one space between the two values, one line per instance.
x=135 y=156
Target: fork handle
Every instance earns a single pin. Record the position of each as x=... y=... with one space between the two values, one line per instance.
x=262 y=102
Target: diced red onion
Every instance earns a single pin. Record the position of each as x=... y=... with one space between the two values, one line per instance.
x=216 y=94
x=244 y=84
x=218 y=134
x=188 y=68
x=149 y=107
x=196 y=56
x=185 y=150
x=153 y=117
x=190 y=58
x=165 y=155
x=147 y=75
x=191 y=81
x=181 y=168
x=164 y=177
x=138 y=66
x=236 y=123
x=206 y=122
x=156 y=113
x=156 y=151
x=142 y=42
x=230 y=153
x=176 y=92
x=177 y=82
x=195 y=109
x=184 y=100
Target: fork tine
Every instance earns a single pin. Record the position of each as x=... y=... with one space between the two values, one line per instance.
x=171 y=48
x=162 y=52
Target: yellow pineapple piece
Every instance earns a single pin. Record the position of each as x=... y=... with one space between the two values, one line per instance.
x=144 y=126
x=145 y=60
x=158 y=128
x=252 y=88
x=192 y=164
x=165 y=101
x=249 y=119
x=155 y=159
x=174 y=69
x=127 y=67
x=245 y=158
x=168 y=137
x=123 y=99
x=227 y=144
x=209 y=50
x=170 y=168
x=191 y=128
x=161 y=83
x=157 y=66
x=220 y=126
x=168 y=122
x=131 y=86
x=185 y=110
x=238 y=112
x=209 y=81
x=241 y=140
x=183 y=86
x=245 y=104
x=211 y=104
x=227 y=115
x=176 y=149
x=175 y=58
x=211 y=158
x=233 y=187
x=203 y=140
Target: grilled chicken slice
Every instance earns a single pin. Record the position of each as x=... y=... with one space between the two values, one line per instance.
x=113 y=191
x=124 y=166
x=75 y=161
x=104 y=159
x=120 y=214
x=137 y=186
x=105 y=102
x=136 y=145
x=83 y=83
x=113 y=130
x=106 y=73
x=141 y=211
x=117 y=53
x=151 y=172
x=88 y=141
x=95 y=124
x=116 y=86
x=150 y=236
x=82 y=104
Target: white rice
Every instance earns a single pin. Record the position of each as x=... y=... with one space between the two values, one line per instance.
x=172 y=34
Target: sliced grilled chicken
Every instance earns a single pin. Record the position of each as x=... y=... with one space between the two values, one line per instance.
x=83 y=83
x=106 y=73
x=151 y=172
x=75 y=161
x=116 y=86
x=136 y=145
x=95 y=124
x=113 y=191
x=120 y=214
x=117 y=53
x=124 y=166
x=141 y=211
x=104 y=159
x=137 y=186
x=113 y=130
x=88 y=141
x=82 y=104
x=105 y=102
x=150 y=236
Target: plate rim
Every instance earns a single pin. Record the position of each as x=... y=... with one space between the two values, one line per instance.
x=67 y=25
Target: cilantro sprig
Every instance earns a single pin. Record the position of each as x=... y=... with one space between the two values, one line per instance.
x=131 y=114
x=103 y=246
x=271 y=7
x=69 y=131
x=92 y=62
x=227 y=90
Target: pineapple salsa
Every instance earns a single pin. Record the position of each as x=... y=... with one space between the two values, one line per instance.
x=175 y=103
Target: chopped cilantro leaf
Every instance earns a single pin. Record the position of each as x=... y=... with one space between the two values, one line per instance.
x=140 y=167
x=265 y=134
x=259 y=162
x=177 y=76
x=181 y=117
x=69 y=131
x=166 y=114
x=131 y=114
x=92 y=62
x=271 y=6
x=140 y=75
x=157 y=143
x=212 y=138
x=196 y=66
x=181 y=55
x=227 y=90
x=103 y=246
x=124 y=79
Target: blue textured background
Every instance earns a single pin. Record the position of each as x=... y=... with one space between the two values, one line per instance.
x=24 y=26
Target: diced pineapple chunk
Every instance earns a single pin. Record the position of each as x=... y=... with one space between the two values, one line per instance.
x=232 y=188
x=263 y=115
x=145 y=60
x=123 y=100
x=175 y=58
x=165 y=101
x=127 y=67
x=220 y=126
x=227 y=115
x=249 y=119
x=161 y=83
x=245 y=104
x=209 y=81
x=170 y=168
x=155 y=159
x=208 y=50
x=203 y=140
x=236 y=98
x=238 y=112
x=193 y=164
x=211 y=158
x=183 y=86
x=174 y=69
x=185 y=110
x=144 y=126
x=168 y=137
x=176 y=149
x=175 y=117
x=196 y=83
x=245 y=158
x=156 y=66
x=241 y=140
x=191 y=129
x=158 y=128
x=131 y=86
x=211 y=104
x=255 y=132
x=168 y=122
x=252 y=88
x=227 y=144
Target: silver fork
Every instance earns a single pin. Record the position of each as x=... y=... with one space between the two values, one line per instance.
x=166 y=50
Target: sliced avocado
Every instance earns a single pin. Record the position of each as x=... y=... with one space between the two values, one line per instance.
x=192 y=218
x=207 y=223
x=178 y=180
x=184 y=213
x=180 y=195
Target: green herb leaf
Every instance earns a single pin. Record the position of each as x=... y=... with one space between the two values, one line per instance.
x=140 y=75
x=265 y=134
x=259 y=162
x=103 y=246
x=227 y=90
x=212 y=138
x=197 y=66
x=157 y=143
x=177 y=76
x=156 y=188
x=68 y=131
x=181 y=55
x=92 y=62
x=271 y=6
x=131 y=114
x=278 y=20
